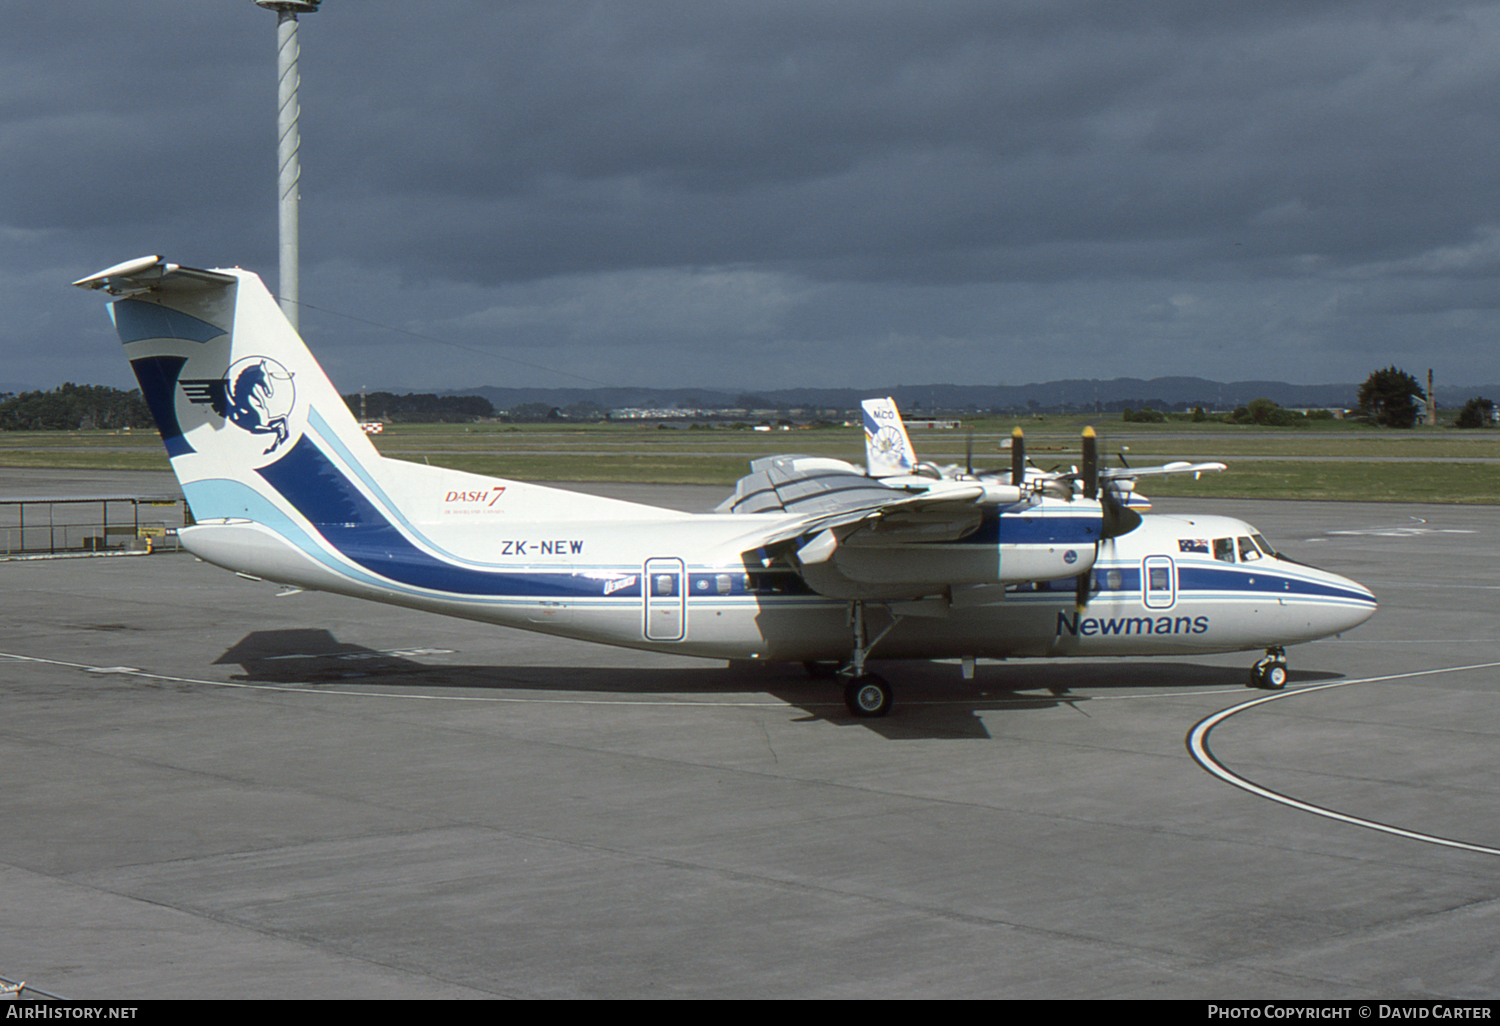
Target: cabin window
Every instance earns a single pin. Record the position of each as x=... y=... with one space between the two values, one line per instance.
x=1224 y=549
x=1248 y=551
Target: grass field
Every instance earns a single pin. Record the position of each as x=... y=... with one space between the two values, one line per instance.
x=1332 y=461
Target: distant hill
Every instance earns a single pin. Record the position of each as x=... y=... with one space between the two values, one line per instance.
x=1073 y=394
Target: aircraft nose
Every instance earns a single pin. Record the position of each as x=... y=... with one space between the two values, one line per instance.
x=1359 y=602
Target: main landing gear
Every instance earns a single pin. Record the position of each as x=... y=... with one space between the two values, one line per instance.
x=1269 y=671
x=867 y=695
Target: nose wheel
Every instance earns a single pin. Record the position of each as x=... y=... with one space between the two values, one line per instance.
x=1269 y=672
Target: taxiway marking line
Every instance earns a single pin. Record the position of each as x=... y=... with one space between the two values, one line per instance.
x=1197 y=744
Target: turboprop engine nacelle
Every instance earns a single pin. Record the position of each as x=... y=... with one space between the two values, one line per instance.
x=919 y=554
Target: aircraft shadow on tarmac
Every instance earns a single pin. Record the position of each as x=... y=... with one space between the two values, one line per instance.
x=933 y=701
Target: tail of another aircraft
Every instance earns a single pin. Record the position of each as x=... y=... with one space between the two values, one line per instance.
x=888 y=451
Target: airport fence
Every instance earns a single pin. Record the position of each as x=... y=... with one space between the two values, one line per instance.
x=89 y=526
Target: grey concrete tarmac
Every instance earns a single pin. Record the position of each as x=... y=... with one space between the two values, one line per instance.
x=211 y=791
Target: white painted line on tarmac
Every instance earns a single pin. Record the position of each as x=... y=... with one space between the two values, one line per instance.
x=1197 y=744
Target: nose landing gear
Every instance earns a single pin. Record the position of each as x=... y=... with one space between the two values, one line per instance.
x=1269 y=671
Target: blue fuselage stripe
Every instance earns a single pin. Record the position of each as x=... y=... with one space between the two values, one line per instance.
x=357 y=529
x=349 y=522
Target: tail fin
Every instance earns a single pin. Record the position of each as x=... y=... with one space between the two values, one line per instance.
x=235 y=393
x=888 y=451
x=281 y=479
x=256 y=431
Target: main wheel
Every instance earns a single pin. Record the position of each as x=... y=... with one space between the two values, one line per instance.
x=868 y=696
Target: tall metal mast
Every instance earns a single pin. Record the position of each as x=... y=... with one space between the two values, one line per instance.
x=289 y=143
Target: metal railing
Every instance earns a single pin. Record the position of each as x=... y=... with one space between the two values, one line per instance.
x=89 y=526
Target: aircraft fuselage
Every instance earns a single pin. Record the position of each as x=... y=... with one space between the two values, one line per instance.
x=1173 y=586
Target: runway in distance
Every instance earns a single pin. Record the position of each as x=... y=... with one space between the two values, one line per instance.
x=811 y=560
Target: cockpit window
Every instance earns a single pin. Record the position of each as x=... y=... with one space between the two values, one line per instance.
x=1224 y=549
x=1248 y=551
x=1265 y=546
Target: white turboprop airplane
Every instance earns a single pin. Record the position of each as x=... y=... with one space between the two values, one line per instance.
x=812 y=560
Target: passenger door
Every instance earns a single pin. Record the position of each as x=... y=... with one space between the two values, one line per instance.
x=1158 y=582
x=664 y=593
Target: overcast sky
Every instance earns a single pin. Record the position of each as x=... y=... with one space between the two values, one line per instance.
x=771 y=193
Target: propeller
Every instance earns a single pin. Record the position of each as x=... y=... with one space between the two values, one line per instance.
x=1081 y=589
x=1090 y=476
x=1118 y=518
x=1090 y=464
x=1017 y=457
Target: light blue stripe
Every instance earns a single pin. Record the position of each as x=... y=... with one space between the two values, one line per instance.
x=136 y=320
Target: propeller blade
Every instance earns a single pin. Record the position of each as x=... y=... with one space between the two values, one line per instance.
x=1090 y=464
x=1017 y=457
x=1081 y=588
x=969 y=453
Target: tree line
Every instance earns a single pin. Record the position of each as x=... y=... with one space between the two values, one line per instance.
x=1389 y=397
x=423 y=408
x=73 y=407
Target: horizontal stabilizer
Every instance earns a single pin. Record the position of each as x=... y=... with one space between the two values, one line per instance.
x=150 y=273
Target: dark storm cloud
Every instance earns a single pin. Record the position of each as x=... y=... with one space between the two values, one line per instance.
x=924 y=133
x=755 y=193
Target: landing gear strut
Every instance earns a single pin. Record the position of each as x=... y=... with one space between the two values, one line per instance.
x=867 y=695
x=1269 y=671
